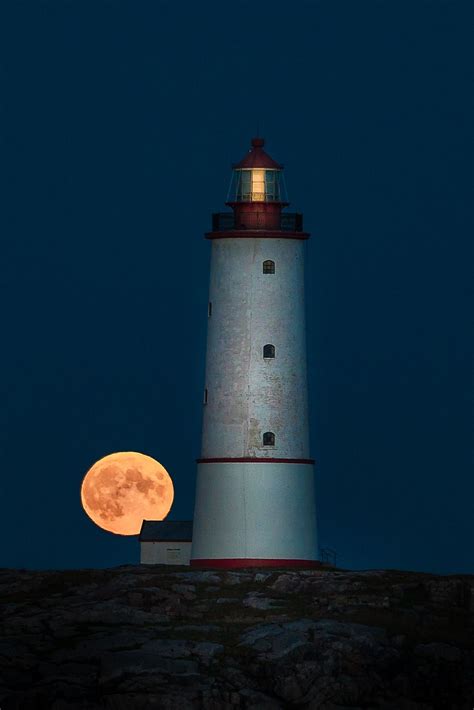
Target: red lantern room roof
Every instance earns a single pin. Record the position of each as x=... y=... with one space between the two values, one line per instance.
x=257 y=158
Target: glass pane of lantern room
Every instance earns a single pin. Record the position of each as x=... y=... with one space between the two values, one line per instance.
x=274 y=181
x=270 y=184
x=243 y=192
x=277 y=185
x=258 y=185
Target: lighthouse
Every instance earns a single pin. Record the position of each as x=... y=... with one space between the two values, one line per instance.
x=255 y=497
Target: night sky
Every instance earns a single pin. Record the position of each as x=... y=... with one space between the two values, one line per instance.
x=119 y=122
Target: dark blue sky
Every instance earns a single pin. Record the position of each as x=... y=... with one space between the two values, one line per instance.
x=119 y=122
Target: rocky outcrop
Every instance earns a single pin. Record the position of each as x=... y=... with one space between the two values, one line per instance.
x=149 y=637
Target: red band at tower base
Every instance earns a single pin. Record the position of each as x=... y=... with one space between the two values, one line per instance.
x=234 y=563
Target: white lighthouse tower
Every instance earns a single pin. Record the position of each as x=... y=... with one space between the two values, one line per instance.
x=255 y=502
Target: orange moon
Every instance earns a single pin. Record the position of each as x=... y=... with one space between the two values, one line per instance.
x=121 y=490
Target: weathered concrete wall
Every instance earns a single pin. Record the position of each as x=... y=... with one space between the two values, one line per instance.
x=165 y=553
x=255 y=510
x=247 y=394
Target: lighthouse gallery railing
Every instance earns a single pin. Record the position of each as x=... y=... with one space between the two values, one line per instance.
x=224 y=221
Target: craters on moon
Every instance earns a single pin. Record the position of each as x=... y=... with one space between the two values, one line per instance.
x=122 y=489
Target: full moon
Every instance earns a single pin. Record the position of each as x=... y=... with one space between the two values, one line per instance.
x=121 y=490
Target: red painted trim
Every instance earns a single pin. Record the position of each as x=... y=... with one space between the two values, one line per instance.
x=253 y=459
x=258 y=203
x=165 y=541
x=233 y=563
x=255 y=233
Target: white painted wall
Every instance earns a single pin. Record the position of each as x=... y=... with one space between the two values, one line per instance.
x=248 y=395
x=255 y=510
x=165 y=553
x=247 y=509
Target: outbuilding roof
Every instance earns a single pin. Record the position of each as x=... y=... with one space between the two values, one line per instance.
x=166 y=531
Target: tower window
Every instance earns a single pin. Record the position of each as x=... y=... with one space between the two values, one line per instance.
x=268 y=350
x=209 y=309
x=269 y=438
x=269 y=267
x=205 y=396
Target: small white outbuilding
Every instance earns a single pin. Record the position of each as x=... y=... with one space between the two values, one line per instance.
x=166 y=542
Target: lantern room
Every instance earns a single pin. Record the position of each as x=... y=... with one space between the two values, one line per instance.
x=257 y=178
x=257 y=191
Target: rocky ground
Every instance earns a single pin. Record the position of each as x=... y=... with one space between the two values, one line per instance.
x=146 y=637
